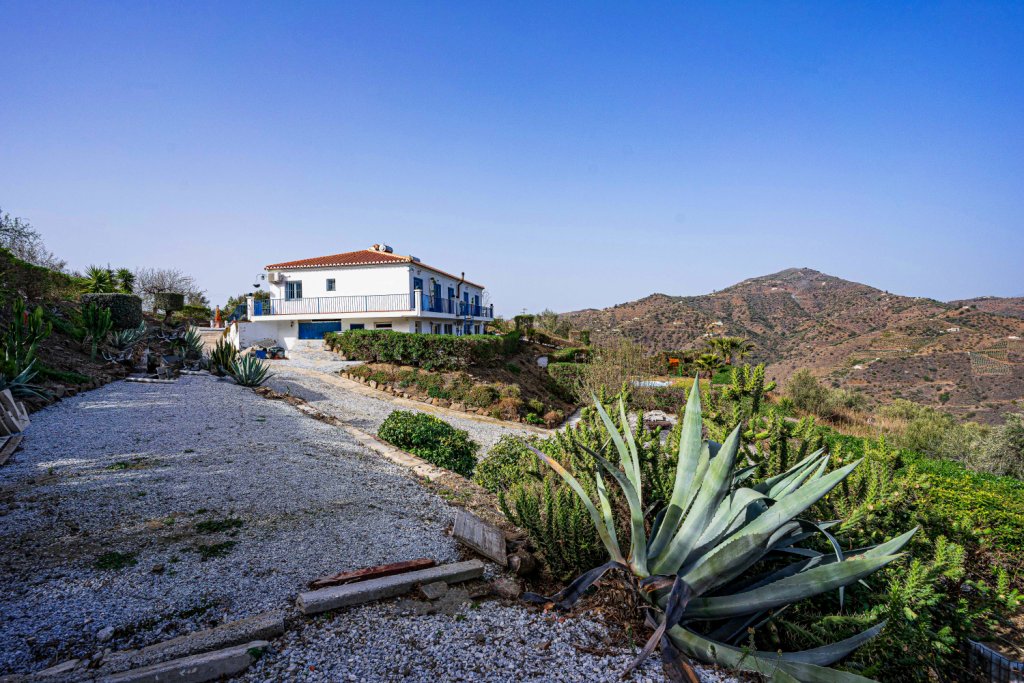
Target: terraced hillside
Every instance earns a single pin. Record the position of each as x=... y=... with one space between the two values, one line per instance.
x=966 y=356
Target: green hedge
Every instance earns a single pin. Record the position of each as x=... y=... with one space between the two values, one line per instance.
x=565 y=376
x=428 y=351
x=573 y=354
x=125 y=309
x=432 y=439
x=25 y=280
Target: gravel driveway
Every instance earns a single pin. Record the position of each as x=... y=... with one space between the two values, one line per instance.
x=311 y=374
x=137 y=512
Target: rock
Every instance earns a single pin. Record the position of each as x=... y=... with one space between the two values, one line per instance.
x=522 y=563
x=373 y=384
x=62 y=668
x=442 y=403
x=157 y=569
x=105 y=634
x=458 y=406
x=434 y=591
x=506 y=587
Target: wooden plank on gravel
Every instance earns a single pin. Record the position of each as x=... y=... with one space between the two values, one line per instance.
x=326 y=599
x=482 y=537
x=371 y=573
x=10 y=444
x=208 y=666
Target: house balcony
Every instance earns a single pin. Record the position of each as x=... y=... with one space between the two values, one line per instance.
x=387 y=305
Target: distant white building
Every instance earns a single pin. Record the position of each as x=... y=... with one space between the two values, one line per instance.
x=369 y=289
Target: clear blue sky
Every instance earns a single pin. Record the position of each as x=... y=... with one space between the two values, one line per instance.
x=564 y=155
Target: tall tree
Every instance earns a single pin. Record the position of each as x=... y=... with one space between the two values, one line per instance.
x=22 y=240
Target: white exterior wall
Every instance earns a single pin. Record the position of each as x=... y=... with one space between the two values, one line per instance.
x=349 y=281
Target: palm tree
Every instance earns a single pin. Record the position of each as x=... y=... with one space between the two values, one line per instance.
x=709 y=363
x=99 y=280
x=126 y=280
x=730 y=348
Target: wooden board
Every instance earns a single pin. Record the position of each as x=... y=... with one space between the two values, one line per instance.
x=372 y=573
x=9 y=445
x=485 y=539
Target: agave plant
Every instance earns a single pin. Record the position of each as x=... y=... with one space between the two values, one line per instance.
x=21 y=385
x=249 y=371
x=222 y=357
x=189 y=344
x=721 y=557
x=122 y=339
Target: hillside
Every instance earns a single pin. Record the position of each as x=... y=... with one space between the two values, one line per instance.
x=966 y=356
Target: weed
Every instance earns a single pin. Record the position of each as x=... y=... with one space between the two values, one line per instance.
x=115 y=560
x=213 y=526
x=209 y=552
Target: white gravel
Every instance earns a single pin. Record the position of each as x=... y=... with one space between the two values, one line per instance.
x=487 y=641
x=311 y=502
x=359 y=410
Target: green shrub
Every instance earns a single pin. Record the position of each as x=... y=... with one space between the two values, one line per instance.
x=573 y=354
x=125 y=309
x=168 y=302
x=62 y=376
x=432 y=439
x=482 y=396
x=428 y=351
x=535 y=406
x=508 y=462
x=566 y=377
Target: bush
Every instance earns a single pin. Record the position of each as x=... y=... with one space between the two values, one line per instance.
x=553 y=417
x=566 y=376
x=482 y=396
x=428 y=351
x=573 y=354
x=505 y=464
x=168 y=302
x=125 y=309
x=432 y=439
x=507 y=408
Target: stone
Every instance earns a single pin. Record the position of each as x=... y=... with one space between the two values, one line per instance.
x=105 y=634
x=59 y=669
x=506 y=587
x=434 y=590
x=208 y=666
x=373 y=384
x=314 y=602
x=442 y=403
x=258 y=627
x=458 y=406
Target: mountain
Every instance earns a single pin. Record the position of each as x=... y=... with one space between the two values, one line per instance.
x=966 y=356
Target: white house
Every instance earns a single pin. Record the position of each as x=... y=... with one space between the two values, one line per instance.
x=371 y=289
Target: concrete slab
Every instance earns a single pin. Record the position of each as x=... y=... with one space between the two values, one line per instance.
x=314 y=602
x=208 y=666
x=259 y=627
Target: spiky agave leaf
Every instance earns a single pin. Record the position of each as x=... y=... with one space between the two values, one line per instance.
x=249 y=371
x=705 y=544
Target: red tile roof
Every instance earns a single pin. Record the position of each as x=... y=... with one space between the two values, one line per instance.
x=363 y=257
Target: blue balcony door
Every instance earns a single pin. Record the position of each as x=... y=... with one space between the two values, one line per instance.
x=436 y=307
x=318 y=329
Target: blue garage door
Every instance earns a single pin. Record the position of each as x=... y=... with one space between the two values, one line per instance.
x=319 y=329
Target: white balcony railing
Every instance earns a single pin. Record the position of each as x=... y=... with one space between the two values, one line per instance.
x=370 y=303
